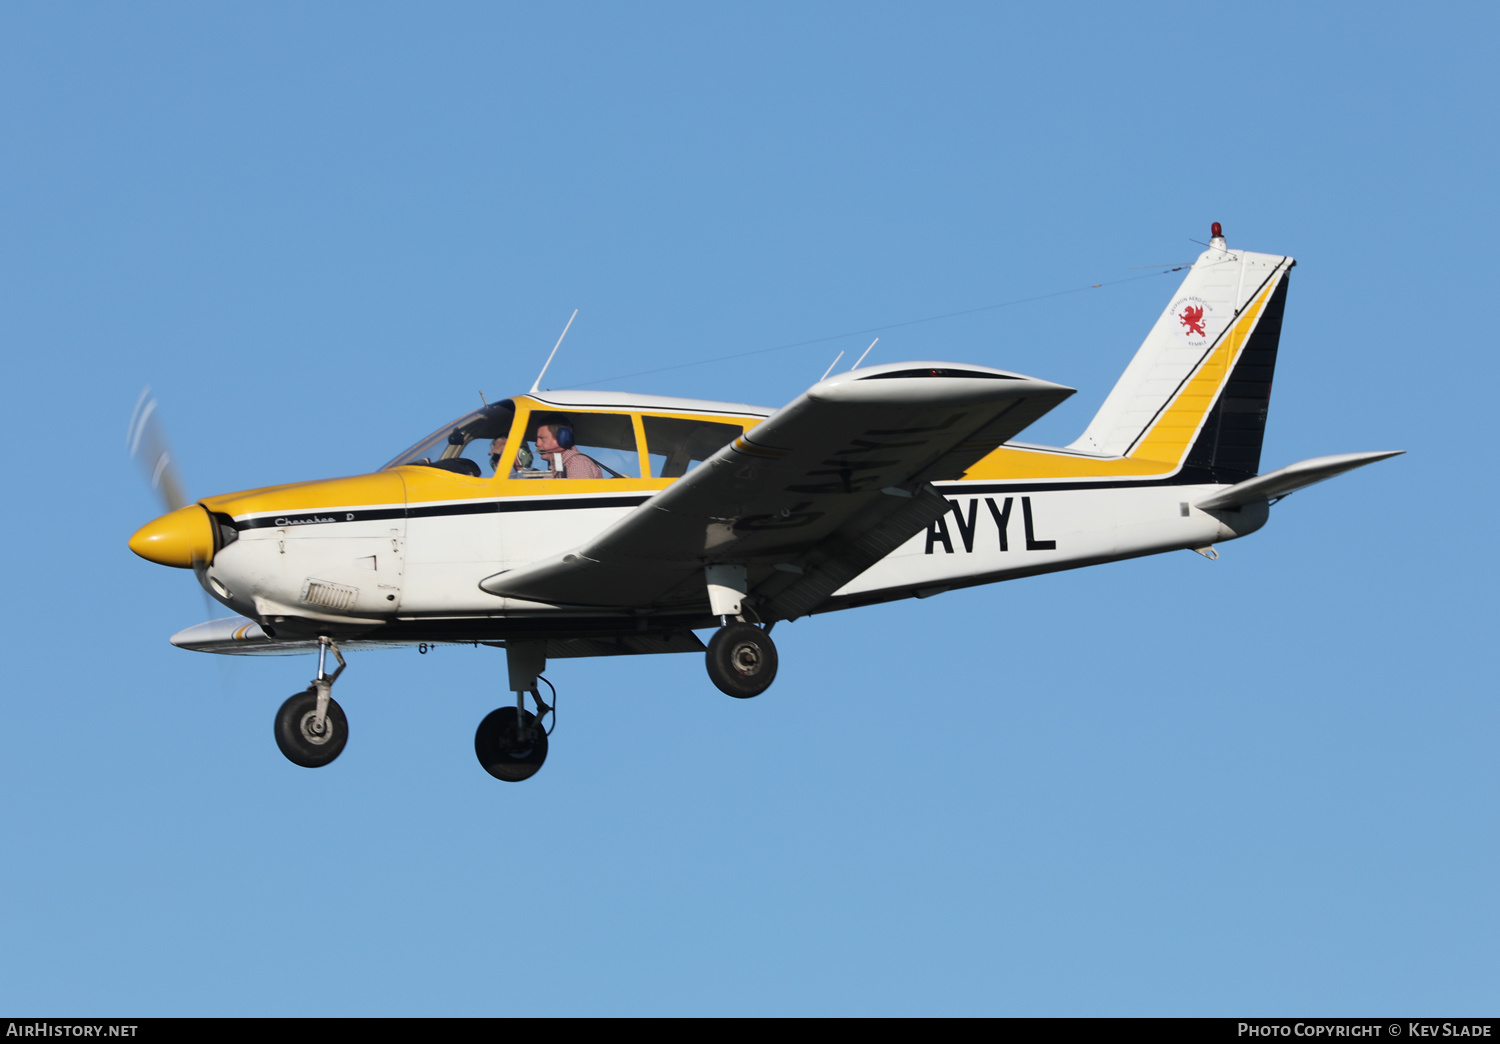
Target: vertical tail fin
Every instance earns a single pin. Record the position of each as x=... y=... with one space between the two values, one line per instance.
x=1197 y=391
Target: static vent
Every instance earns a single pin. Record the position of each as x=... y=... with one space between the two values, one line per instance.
x=330 y=596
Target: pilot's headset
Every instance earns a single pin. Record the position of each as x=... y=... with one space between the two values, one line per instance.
x=523 y=458
x=564 y=434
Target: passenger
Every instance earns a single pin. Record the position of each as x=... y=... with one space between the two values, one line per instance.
x=497 y=454
x=555 y=441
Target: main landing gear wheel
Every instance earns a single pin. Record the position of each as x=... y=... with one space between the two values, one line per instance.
x=302 y=739
x=741 y=660
x=508 y=750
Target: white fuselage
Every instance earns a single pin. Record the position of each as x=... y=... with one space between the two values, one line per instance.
x=429 y=564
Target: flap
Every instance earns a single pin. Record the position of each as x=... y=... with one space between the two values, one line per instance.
x=1289 y=479
x=845 y=461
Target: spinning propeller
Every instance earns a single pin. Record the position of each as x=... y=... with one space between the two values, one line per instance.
x=183 y=536
x=147 y=443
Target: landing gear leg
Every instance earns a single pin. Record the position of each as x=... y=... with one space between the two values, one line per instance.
x=511 y=743
x=311 y=729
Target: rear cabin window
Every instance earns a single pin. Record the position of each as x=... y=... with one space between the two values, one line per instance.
x=606 y=439
x=675 y=446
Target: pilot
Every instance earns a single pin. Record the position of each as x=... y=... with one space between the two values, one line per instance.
x=555 y=441
x=497 y=453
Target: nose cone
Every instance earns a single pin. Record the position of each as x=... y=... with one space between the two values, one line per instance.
x=180 y=538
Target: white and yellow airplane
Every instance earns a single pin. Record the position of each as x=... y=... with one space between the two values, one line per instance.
x=888 y=482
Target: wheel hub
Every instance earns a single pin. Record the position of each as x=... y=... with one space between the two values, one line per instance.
x=746 y=658
x=517 y=746
x=741 y=660
x=310 y=730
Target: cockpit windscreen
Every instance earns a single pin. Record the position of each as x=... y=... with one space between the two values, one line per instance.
x=464 y=445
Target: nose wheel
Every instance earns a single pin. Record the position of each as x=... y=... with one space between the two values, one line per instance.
x=311 y=728
x=741 y=660
x=304 y=739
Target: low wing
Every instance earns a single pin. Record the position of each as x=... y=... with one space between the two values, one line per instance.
x=237 y=636
x=1289 y=479
x=805 y=501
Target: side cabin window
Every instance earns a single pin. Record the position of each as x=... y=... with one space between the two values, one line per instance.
x=578 y=446
x=676 y=445
x=553 y=443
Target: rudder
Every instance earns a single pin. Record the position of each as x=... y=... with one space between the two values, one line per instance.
x=1227 y=448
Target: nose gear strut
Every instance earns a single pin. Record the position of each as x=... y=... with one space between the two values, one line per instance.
x=311 y=728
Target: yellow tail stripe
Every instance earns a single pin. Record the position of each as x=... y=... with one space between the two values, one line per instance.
x=1169 y=438
x=1165 y=443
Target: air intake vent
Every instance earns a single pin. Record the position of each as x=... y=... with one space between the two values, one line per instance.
x=330 y=596
x=225 y=532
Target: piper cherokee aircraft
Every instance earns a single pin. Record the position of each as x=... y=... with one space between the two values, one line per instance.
x=572 y=523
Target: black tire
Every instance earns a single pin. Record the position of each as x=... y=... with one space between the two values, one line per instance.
x=742 y=660
x=296 y=737
x=505 y=754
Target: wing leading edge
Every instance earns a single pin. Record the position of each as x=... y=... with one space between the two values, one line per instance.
x=821 y=490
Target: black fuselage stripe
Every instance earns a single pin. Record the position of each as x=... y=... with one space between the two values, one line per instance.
x=971 y=488
x=493 y=506
x=468 y=507
x=488 y=507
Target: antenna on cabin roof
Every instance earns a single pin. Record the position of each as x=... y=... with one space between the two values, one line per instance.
x=863 y=354
x=536 y=385
x=831 y=365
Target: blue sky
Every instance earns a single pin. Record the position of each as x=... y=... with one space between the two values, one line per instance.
x=1261 y=785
